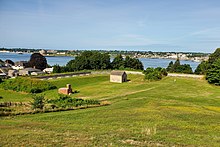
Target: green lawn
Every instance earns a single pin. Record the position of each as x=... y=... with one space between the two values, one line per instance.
x=185 y=112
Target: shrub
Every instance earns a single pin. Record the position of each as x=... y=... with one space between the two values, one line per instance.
x=155 y=74
x=27 y=84
x=65 y=101
x=38 y=102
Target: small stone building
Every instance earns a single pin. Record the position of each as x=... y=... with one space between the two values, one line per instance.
x=67 y=90
x=118 y=76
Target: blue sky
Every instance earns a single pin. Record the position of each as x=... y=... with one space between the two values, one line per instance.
x=156 y=25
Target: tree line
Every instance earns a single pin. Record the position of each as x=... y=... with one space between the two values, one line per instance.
x=93 y=60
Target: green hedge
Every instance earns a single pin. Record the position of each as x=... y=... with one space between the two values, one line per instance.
x=27 y=84
x=65 y=101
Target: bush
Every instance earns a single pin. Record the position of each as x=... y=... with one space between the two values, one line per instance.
x=27 y=84
x=65 y=101
x=38 y=102
x=154 y=74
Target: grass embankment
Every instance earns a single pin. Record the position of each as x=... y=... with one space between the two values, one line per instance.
x=184 y=112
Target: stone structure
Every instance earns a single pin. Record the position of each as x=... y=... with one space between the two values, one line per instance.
x=118 y=76
x=67 y=90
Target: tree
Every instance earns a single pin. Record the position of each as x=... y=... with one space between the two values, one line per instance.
x=89 y=60
x=128 y=62
x=133 y=63
x=178 y=68
x=170 y=67
x=56 y=69
x=214 y=56
x=176 y=64
x=118 y=62
x=105 y=61
x=202 y=68
x=213 y=74
x=37 y=61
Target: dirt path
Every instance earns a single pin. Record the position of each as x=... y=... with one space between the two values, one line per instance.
x=185 y=75
x=129 y=93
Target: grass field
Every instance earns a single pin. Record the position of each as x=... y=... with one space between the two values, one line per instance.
x=181 y=113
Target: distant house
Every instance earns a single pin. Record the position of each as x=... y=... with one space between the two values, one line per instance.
x=9 y=63
x=4 y=71
x=48 y=70
x=29 y=71
x=118 y=76
x=43 y=52
x=35 y=73
x=20 y=65
x=13 y=73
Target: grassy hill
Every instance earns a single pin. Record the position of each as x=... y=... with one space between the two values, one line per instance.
x=173 y=111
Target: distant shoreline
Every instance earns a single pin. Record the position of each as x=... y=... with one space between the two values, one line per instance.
x=68 y=55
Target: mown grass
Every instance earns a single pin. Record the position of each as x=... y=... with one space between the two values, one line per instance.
x=179 y=112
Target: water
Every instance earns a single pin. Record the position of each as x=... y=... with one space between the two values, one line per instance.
x=164 y=63
x=62 y=60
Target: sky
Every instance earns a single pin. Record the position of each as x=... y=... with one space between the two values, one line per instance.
x=155 y=25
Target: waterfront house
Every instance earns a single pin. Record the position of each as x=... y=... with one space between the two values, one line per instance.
x=20 y=65
x=29 y=71
x=48 y=70
x=118 y=76
x=4 y=71
x=13 y=73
